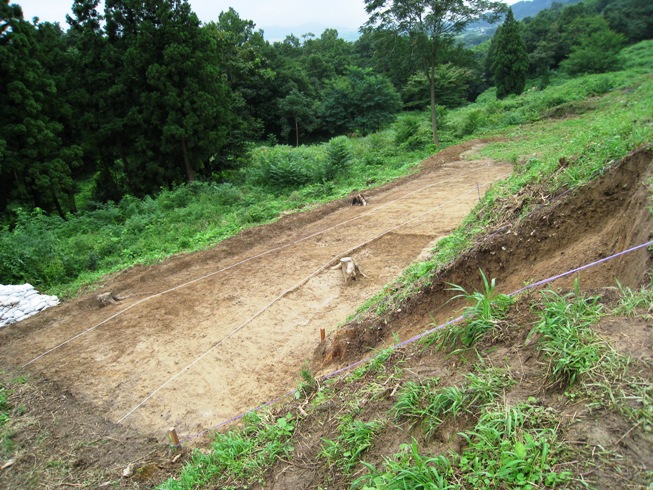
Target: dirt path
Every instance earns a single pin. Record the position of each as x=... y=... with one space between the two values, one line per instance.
x=244 y=316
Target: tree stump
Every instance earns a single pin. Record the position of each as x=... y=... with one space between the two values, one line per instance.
x=350 y=269
x=105 y=299
x=358 y=200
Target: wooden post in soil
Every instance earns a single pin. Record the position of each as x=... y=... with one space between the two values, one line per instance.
x=172 y=434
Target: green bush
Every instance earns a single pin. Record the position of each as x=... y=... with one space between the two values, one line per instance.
x=411 y=133
x=284 y=167
x=338 y=157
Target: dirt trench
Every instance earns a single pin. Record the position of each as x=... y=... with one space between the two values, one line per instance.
x=201 y=338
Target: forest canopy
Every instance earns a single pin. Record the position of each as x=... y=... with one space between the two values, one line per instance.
x=141 y=96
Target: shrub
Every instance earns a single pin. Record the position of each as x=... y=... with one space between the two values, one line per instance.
x=338 y=157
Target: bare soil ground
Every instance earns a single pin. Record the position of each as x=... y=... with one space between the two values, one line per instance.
x=203 y=337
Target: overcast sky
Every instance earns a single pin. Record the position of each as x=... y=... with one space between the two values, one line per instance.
x=286 y=13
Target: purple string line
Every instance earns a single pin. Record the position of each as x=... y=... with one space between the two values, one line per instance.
x=419 y=336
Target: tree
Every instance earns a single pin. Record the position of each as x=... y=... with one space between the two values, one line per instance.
x=430 y=26
x=509 y=63
x=451 y=87
x=300 y=111
x=35 y=162
x=359 y=101
x=174 y=110
x=633 y=18
x=596 y=49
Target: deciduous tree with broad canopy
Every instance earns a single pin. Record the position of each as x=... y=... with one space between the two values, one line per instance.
x=430 y=26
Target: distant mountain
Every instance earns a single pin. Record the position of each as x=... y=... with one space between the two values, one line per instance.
x=529 y=8
x=474 y=34
x=480 y=31
x=279 y=33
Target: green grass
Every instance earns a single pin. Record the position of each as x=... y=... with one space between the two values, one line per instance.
x=487 y=309
x=238 y=458
x=509 y=447
x=354 y=439
x=5 y=414
x=634 y=303
x=429 y=405
x=568 y=341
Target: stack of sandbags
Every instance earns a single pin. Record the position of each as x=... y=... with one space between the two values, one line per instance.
x=20 y=302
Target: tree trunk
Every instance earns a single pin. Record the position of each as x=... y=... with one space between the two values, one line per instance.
x=296 y=132
x=434 y=117
x=190 y=173
x=57 y=204
x=72 y=205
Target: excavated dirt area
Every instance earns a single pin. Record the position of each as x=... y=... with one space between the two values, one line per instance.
x=203 y=337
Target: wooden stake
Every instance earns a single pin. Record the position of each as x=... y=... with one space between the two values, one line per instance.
x=172 y=434
x=322 y=335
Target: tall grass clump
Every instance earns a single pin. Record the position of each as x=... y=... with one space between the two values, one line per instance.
x=568 y=341
x=487 y=309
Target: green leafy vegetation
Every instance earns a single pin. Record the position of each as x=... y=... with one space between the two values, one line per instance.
x=568 y=340
x=239 y=457
x=487 y=309
x=7 y=414
x=509 y=446
x=634 y=303
x=425 y=403
x=355 y=438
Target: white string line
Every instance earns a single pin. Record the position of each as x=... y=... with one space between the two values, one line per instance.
x=249 y=259
x=290 y=290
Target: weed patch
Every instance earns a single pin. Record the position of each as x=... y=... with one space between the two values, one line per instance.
x=568 y=340
x=238 y=457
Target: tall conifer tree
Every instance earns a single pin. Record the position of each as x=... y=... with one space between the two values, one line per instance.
x=509 y=58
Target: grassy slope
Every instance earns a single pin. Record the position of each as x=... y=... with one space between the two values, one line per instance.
x=384 y=426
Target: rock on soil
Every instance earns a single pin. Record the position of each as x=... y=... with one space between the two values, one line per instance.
x=22 y=301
